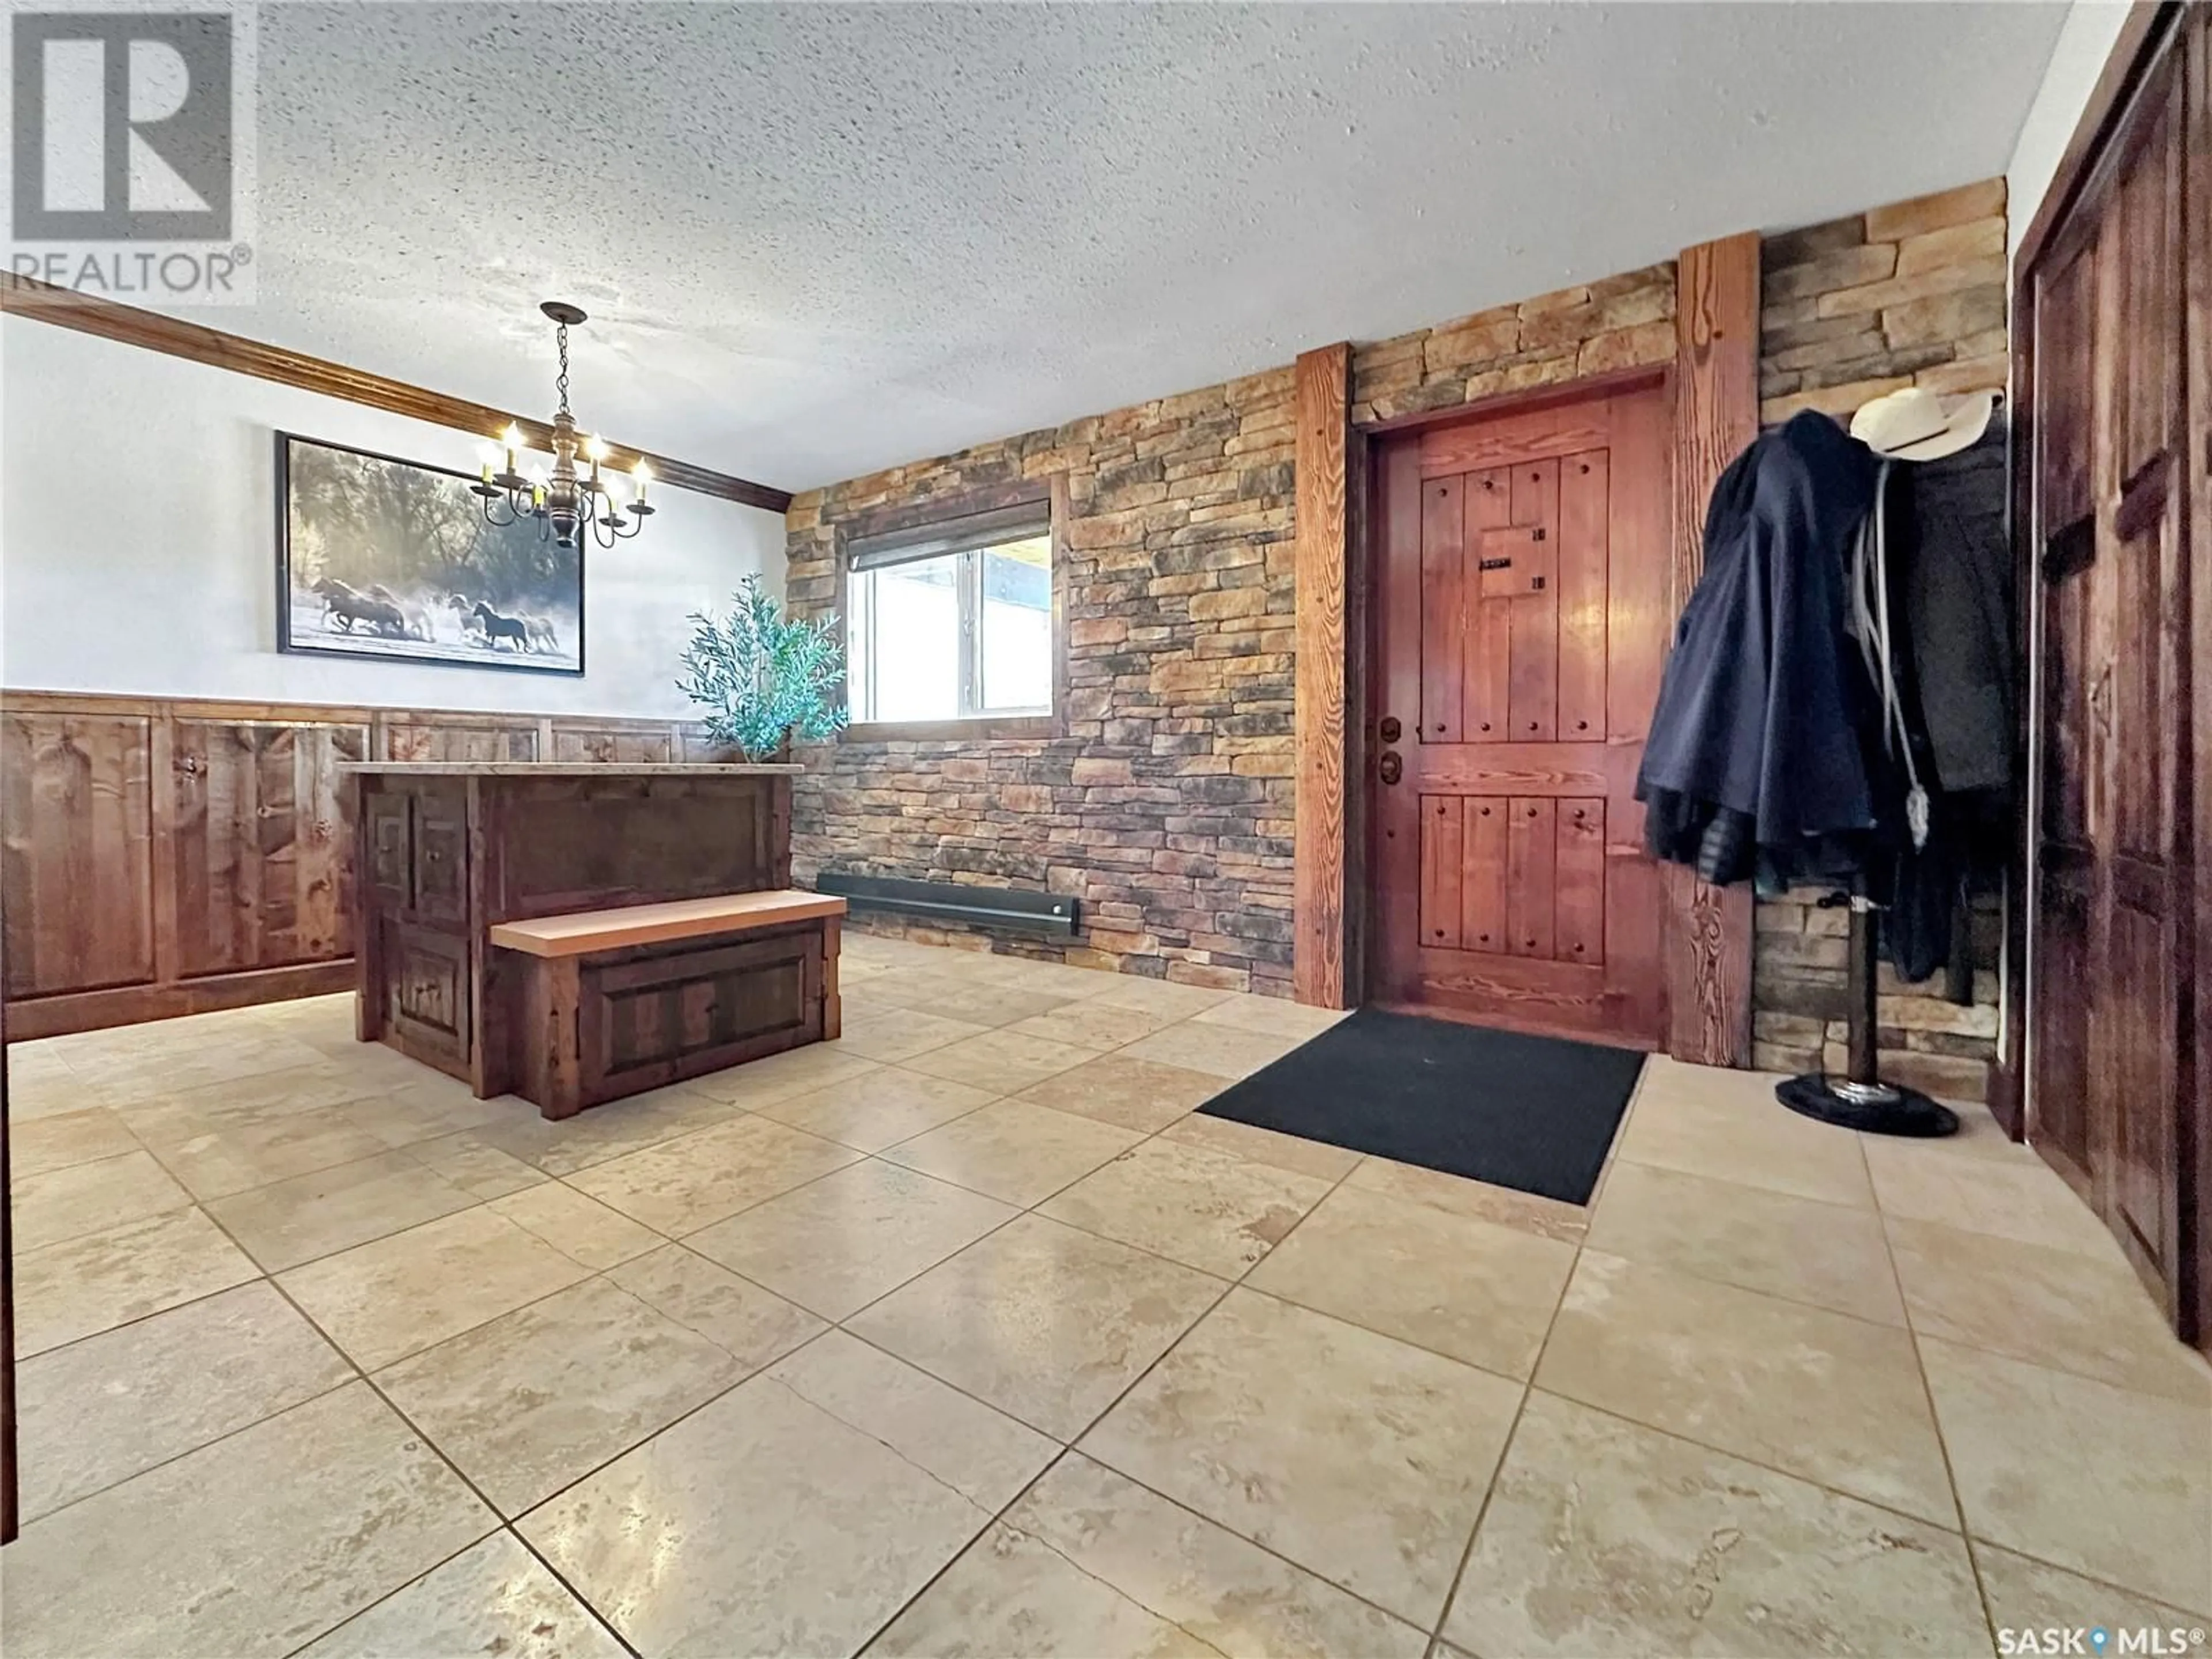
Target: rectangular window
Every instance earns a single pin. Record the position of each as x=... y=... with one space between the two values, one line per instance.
x=951 y=619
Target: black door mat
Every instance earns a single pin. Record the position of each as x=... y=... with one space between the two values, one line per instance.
x=1533 y=1113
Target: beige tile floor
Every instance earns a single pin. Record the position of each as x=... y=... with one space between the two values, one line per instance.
x=962 y=1336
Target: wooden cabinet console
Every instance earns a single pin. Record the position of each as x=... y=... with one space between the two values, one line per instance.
x=446 y=851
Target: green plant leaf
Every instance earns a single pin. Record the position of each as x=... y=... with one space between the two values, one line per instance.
x=758 y=676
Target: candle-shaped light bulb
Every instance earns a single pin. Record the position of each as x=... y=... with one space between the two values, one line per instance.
x=596 y=451
x=512 y=440
x=643 y=476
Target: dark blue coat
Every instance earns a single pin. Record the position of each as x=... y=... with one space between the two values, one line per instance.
x=1754 y=758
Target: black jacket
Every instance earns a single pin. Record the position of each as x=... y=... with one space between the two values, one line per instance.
x=1949 y=520
x=1754 y=760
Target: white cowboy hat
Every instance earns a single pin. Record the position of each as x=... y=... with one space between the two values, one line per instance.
x=1911 y=425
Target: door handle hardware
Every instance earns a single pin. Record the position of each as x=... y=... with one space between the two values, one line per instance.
x=1390 y=767
x=1390 y=730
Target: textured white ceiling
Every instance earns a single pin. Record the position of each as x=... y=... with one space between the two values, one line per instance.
x=819 y=240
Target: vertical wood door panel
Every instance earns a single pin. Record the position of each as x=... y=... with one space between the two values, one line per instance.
x=388 y=860
x=1584 y=492
x=76 y=889
x=1532 y=712
x=1489 y=640
x=1580 y=936
x=1510 y=884
x=438 y=871
x=427 y=984
x=1443 y=608
x=259 y=846
x=1483 y=882
x=1531 y=875
x=2065 y=329
x=1441 y=866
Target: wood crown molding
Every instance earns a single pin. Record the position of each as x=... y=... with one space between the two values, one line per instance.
x=1706 y=932
x=91 y=314
x=1323 y=899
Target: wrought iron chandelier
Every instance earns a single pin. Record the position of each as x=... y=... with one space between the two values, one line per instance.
x=565 y=502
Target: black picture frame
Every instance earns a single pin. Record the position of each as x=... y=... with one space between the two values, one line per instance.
x=418 y=626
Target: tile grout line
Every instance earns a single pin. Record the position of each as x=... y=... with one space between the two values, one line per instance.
x=1934 y=1416
x=360 y=1377
x=1613 y=1153
x=507 y=1528
x=1069 y=1446
x=1520 y=1410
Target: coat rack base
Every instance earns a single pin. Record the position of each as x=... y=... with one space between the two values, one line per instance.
x=1878 y=1109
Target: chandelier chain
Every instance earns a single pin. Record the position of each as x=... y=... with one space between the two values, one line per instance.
x=562 y=383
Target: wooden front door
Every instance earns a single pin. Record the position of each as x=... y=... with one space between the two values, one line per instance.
x=2110 y=933
x=1523 y=615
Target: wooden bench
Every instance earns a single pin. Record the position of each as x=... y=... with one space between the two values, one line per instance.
x=607 y=1003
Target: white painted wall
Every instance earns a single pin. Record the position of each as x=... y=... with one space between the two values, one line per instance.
x=138 y=543
x=2085 y=41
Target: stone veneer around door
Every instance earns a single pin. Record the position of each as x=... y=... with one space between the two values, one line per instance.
x=1166 y=805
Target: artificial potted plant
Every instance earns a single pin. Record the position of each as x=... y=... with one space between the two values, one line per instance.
x=761 y=677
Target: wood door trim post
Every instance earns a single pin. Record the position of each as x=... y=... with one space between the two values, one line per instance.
x=1323 y=973
x=2195 y=1118
x=1706 y=932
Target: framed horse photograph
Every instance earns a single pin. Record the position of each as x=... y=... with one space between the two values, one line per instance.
x=390 y=559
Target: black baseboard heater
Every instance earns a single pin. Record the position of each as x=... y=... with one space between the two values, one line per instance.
x=1012 y=908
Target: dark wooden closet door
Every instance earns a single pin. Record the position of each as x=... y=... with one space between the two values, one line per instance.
x=1523 y=616
x=8 y=1479
x=2196 y=242
x=2112 y=935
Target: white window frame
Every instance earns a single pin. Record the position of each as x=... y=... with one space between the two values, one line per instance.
x=966 y=537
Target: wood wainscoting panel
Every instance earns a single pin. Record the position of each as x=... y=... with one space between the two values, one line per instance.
x=258 y=844
x=431 y=738
x=604 y=745
x=77 y=848
x=168 y=856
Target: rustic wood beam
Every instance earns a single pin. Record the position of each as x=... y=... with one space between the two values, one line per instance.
x=1321 y=974
x=90 y=313
x=1707 y=933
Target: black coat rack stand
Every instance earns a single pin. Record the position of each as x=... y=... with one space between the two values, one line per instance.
x=1862 y=1101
